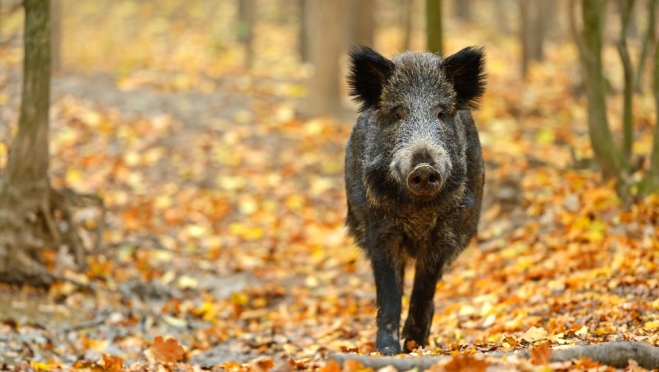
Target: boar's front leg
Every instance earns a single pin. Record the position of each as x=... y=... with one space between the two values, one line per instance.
x=422 y=306
x=387 y=272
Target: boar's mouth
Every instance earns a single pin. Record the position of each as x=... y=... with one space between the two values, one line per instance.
x=424 y=180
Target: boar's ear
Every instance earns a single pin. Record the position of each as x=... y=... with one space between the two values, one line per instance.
x=369 y=72
x=465 y=70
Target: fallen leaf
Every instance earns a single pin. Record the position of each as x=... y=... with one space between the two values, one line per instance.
x=412 y=345
x=534 y=334
x=168 y=351
x=541 y=354
x=111 y=363
x=466 y=363
x=352 y=365
x=331 y=366
x=261 y=364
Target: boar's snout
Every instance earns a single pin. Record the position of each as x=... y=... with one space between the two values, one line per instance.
x=424 y=180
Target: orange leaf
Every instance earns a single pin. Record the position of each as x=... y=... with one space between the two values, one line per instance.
x=586 y=363
x=352 y=365
x=168 y=351
x=331 y=366
x=112 y=363
x=412 y=345
x=466 y=363
x=261 y=364
x=541 y=354
x=511 y=341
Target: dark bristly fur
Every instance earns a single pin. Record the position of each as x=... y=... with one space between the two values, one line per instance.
x=414 y=115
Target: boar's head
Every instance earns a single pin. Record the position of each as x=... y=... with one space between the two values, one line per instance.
x=418 y=101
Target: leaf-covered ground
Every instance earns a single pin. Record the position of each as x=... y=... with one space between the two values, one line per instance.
x=223 y=242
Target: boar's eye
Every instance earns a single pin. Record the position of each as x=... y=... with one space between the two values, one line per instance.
x=441 y=112
x=398 y=113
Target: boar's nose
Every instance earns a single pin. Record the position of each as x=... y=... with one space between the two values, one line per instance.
x=424 y=180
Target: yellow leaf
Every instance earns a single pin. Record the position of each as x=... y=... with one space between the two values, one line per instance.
x=545 y=136
x=197 y=231
x=582 y=332
x=185 y=282
x=239 y=298
x=74 y=176
x=534 y=334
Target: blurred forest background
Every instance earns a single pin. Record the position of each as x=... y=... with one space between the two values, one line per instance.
x=189 y=179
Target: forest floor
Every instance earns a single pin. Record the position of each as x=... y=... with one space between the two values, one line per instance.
x=223 y=222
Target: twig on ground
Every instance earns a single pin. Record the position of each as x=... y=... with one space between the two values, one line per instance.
x=615 y=354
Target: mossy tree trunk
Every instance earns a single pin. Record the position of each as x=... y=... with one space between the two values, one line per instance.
x=650 y=183
x=607 y=154
x=626 y=9
x=28 y=205
x=434 y=33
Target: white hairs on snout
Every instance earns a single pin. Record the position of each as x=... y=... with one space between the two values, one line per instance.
x=401 y=165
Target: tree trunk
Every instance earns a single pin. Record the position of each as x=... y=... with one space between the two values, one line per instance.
x=463 y=9
x=246 y=17
x=544 y=16
x=27 y=203
x=650 y=183
x=303 y=31
x=524 y=34
x=327 y=48
x=500 y=11
x=626 y=8
x=362 y=22
x=607 y=154
x=56 y=34
x=434 y=33
x=535 y=19
x=25 y=190
x=407 y=10
x=649 y=41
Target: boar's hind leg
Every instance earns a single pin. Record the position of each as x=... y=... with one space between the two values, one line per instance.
x=422 y=306
x=388 y=290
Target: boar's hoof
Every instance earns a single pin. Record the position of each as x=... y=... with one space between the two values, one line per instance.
x=424 y=180
x=389 y=350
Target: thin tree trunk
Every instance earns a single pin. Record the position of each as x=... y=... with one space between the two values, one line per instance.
x=626 y=7
x=326 y=50
x=501 y=16
x=434 y=32
x=303 y=31
x=607 y=154
x=247 y=15
x=407 y=9
x=56 y=34
x=650 y=183
x=543 y=17
x=362 y=22
x=25 y=190
x=535 y=19
x=463 y=9
x=525 y=34
x=649 y=40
